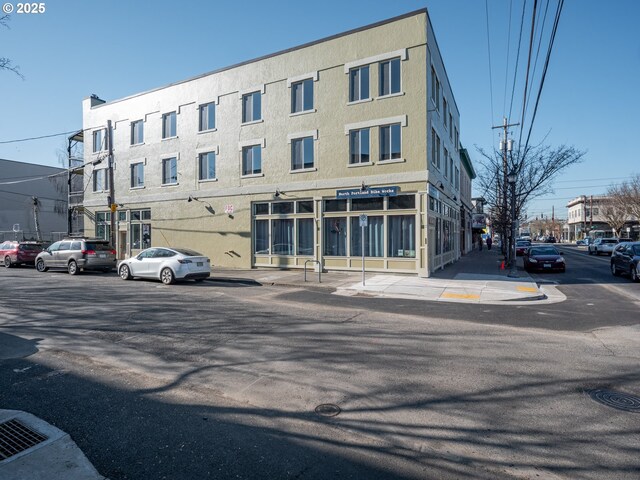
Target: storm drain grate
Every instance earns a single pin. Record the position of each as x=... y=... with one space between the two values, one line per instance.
x=16 y=437
x=328 y=410
x=619 y=400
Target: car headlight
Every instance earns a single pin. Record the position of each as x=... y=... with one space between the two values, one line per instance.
x=560 y=260
x=533 y=260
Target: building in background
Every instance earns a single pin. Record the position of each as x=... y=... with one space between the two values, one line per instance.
x=277 y=161
x=588 y=216
x=33 y=201
x=467 y=174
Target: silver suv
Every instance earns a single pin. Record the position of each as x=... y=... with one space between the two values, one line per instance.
x=77 y=254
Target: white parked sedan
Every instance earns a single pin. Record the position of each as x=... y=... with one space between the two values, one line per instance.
x=602 y=245
x=166 y=264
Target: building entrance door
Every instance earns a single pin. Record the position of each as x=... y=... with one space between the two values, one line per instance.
x=122 y=245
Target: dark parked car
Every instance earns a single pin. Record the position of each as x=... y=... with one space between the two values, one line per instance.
x=550 y=240
x=77 y=254
x=544 y=257
x=521 y=247
x=625 y=259
x=19 y=253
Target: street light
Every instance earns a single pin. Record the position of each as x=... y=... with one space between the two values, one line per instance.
x=512 y=176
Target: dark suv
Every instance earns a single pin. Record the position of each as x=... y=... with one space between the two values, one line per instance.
x=77 y=254
x=18 y=253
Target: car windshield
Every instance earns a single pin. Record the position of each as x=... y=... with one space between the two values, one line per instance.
x=187 y=252
x=523 y=243
x=610 y=241
x=543 y=251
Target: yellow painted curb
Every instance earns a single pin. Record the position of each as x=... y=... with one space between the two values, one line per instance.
x=469 y=296
x=526 y=289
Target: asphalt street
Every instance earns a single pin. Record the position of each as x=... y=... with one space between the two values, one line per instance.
x=220 y=380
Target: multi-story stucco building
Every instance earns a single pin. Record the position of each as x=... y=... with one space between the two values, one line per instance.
x=29 y=192
x=586 y=215
x=272 y=162
x=467 y=174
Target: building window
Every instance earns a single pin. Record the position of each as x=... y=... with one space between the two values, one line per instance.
x=170 y=171
x=99 y=140
x=450 y=127
x=450 y=169
x=335 y=205
x=137 y=175
x=140 y=229
x=251 y=107
x=335 y=236
x=446 y=165
x=137 y=132
x=169 y=125
x=100 y=180
x=305 y=244
x=390 y=77
x=302 y=96
x=207 y=166
x=363 y=204
x=282 y=208
x=261 y=209
x=207 y=117
x=252 y=160
x=359 y=84
x=402 y=201
x=435 y=149
x=261 y=236
x=282 y=236
x=401 y=232
x=444 y=111
x=435 y=88
x=390 y=141
x=359 y=146
x=373 y=237
x=103 y=229
x=302 y=153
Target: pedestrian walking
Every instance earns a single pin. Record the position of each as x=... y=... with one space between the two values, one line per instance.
x=489 y=242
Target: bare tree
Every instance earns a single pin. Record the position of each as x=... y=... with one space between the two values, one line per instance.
x=536 y=168
x=6 y=63
x=623 y=204
x=630 y=191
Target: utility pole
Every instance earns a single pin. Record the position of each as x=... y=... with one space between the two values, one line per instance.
x=505 y=145
x=36 y=218
x=590 y=214
x=112 y=198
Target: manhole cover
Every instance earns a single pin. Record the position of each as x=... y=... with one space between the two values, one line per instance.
x=619 y=400
x=328 y=410
x=16 y=437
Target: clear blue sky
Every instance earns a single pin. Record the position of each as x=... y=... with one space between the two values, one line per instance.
x=591 y=97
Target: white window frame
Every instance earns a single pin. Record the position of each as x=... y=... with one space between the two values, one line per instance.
x=105 y=186
x=215 y=162
x=164 y=160
x=132 y=128
x=102 y=132
x=215 y=113
x=142 y=162
x=360 y=98
x=166 y=116
x=380 y=78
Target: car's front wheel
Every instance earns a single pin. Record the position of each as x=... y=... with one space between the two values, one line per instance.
x=634 y=274
x=167 y=277
x=7 y=261
x=614 y=270
x=125 y=273
x=72 y=268
x=40 y=266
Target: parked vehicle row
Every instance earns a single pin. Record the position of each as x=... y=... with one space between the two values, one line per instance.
x=79 y=254
x=602 y=245
x=625 y=260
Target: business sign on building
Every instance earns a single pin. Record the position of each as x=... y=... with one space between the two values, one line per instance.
x=368 y=192
x=478 y=220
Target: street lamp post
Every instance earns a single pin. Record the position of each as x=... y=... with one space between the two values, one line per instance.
x=511 y=178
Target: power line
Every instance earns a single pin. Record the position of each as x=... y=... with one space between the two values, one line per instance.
x=546 y=66
x=506 y=69
x=535 y=62
x=526 y=81
x=40 y=137
x=486 y=8
x=515 y=73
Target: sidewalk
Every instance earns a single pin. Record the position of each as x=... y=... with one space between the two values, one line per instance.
x=475 y=278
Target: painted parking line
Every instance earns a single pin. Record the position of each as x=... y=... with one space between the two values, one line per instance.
x=526 y=289
x=468 y=296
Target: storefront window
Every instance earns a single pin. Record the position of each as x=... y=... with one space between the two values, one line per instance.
x=438 y=238
x=373 y=237
x=335 y=236
x=305 y=236
x=402 y=236
x=403 y=201
x=282 y=237
x=305 y=206
x=359 y=204
x=261 y=209
x=335 y=205
x=140 y=231
x=282 y=208
x=261 y=235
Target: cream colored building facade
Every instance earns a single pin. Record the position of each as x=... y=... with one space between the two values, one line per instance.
x=273 y=162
